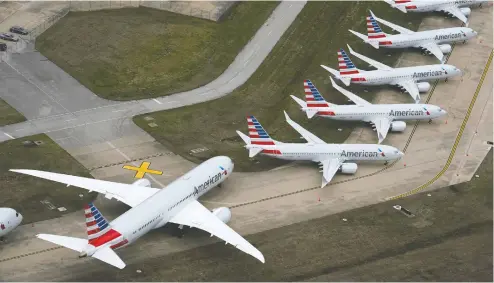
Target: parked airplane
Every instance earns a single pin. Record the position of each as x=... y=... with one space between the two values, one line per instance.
x=411 y=79
x=456 y=8
x=9 y=220
x=383 y=117
x=432 y=41
x=151 y=208
x=332 y=157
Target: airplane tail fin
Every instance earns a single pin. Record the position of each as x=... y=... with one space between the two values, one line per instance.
x=373 y=29
x=313 y=99
x=96 y=223
x=258 y=138
x=345 y=64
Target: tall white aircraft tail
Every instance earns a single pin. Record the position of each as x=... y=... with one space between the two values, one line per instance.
x=258 y=138
x=98 y=230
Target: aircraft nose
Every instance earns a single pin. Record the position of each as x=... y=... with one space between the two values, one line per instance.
x=400 y=153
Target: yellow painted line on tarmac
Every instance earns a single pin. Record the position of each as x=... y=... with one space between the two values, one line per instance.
x=457 y=141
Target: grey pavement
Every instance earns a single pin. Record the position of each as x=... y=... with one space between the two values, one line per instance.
x=63 y=107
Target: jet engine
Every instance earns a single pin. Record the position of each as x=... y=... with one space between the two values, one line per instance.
x=142 y=183
x=223 y=213
x=398 y=126
x=445 y=48
x=423 y=86
x=348 y=168
x=466 y=11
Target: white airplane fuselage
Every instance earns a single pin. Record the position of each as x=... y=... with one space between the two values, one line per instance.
x=158 y=209
x=433 y=5
x=438 y=36
x=366 y=113
x=9 y=220
x=416 y=73
x=320 y=152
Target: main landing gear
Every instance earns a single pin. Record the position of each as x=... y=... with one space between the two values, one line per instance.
x=179 y=232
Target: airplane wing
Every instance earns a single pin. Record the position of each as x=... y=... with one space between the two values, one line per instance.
x=377 y=65
x=391 y=25
x=411 y=87
x=196 y=215
x=310 y=137
x=357 y=100
x=382 y=127
x=455 y=11
x=128 y=194
x=434 y=49
x=329 y=169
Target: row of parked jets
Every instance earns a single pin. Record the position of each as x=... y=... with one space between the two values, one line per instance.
x=152 y=208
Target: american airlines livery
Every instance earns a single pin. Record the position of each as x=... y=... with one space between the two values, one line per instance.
x=331 y=157
x=383 y=117
x=431 y=41
x=9 y=220
x=456 y=8
x=151 y=208
x=411 y=79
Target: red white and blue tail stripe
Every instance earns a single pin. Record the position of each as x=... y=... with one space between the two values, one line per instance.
x=345 y=64
x=312 y=95
x=373 y=29
x=96 y=224
x=257 y=134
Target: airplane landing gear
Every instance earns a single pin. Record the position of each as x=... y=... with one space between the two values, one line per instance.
x=179 y=232
x=386 y=163
x=430 y=121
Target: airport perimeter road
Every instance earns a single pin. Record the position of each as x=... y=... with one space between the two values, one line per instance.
x=57 y=104
x=291 y=194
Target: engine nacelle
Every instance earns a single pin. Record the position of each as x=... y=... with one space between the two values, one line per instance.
x=398 y=126
x=466 y=11
x=348 y=168
x=223 y=213
x=142 y=183
x=423 y=86
x=445 y=48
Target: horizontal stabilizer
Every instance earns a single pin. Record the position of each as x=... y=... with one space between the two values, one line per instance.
x=332 y=71
x=363 y=37
x=311 y=113
x=107 y=255
x=254 y=151
x=401 y=8
x=244 y=137
x=299 y=101
x=75 y=244
x=346 y=81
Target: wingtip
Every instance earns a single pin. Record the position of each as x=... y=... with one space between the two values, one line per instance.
x=286 y=116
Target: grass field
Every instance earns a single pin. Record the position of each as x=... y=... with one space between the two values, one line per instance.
x=25 y=193
x=312 y=39
x=9 y=114
x=136 y=53
x=448 y=239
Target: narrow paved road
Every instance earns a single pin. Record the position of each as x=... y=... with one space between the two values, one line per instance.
x=53 y=102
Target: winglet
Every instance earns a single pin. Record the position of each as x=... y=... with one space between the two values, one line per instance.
x=286 y=116
x=353 y=97
x=350 y=49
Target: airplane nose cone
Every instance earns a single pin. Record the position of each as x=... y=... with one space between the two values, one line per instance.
x=400 y=153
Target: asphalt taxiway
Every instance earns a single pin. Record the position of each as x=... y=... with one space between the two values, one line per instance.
x=292 y=194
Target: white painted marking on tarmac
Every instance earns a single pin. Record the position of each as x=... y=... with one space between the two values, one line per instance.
x=157 y=101
x=290 y=6
x=9 y=136
x=172 y=101
x=18 y=130
x=70 y=119
x=120 y=110
x=118 y=150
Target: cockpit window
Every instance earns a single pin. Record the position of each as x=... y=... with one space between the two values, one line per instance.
x=17 y=214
